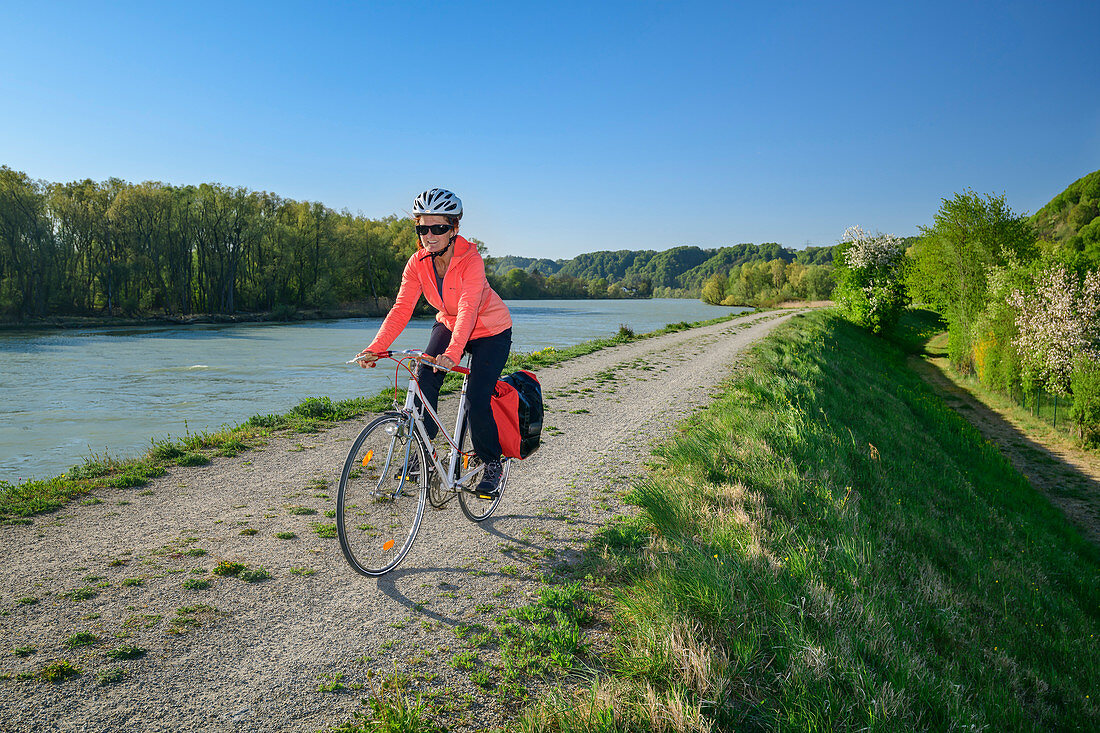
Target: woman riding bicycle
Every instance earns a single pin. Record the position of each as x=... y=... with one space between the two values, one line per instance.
x=448 y=271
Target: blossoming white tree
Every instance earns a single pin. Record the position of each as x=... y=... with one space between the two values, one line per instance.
x=1058 y=324
x=871 y=279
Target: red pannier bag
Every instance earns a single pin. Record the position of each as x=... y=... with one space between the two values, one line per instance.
x=517 y=410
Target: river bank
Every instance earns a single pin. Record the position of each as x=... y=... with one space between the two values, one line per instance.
x=283 y=315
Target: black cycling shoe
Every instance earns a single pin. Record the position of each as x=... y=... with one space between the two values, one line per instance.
x=489 y=486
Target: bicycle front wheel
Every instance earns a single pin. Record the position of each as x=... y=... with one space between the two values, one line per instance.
x=474 y=507
x=382 y=493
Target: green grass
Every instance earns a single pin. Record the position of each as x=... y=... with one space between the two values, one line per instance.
x=544 y=636
x=58 y=671
x=327 y=531
x=111 y=676
x=464 y=660
x=20 y=501
x=391 y=713
x=82 y=638
x=332 y=683
x=126 y=652
x=829 y=547
x=254 y=575
x=81 y=594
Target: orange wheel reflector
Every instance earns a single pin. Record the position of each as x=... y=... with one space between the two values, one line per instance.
x=388 y=545
x=366 y=458
x=465 y=462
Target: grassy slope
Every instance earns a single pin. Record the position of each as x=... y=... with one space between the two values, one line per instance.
x=19 y=502
x=830 y=547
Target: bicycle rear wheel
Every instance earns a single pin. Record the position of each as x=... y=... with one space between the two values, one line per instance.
x=382 y=492
x=474 y=507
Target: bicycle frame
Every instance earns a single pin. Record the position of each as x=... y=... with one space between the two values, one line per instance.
x=448 y=478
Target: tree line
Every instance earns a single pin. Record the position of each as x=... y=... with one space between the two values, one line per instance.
x=115 y=248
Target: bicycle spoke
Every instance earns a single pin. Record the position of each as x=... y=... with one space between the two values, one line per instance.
x=474 y=507
x=381 y=497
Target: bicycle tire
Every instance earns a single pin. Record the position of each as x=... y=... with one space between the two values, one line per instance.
x=383 y=488
x=475 y=508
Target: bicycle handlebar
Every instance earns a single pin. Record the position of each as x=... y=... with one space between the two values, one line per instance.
x=416 y=354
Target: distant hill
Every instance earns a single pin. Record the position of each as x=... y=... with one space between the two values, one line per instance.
x=679 y=268
x=501 y=265
x=1072 y=218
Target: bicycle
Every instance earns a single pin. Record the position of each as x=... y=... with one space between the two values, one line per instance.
x=393 y=468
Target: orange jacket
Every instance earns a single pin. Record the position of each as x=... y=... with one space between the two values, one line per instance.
x=470 y=309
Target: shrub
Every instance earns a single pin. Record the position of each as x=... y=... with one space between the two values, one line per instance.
x=283 y=312
x=1059 y=323
x=870 y=286
x=1085 y=383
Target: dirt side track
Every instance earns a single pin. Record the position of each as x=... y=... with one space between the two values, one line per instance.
x=251 y=656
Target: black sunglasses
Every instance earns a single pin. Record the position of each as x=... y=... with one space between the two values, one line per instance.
x=423 y=229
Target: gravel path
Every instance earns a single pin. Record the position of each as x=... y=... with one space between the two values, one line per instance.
x=251 y=656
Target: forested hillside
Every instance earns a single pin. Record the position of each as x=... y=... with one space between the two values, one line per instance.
x=1072 y=220
x=501 y=265
x=677 y=272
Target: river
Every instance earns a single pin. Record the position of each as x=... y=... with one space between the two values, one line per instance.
x=67 y=395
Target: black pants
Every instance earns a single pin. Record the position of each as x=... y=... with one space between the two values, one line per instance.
x=487 y=358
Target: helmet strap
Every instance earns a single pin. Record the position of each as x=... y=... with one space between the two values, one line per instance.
x=433 y=255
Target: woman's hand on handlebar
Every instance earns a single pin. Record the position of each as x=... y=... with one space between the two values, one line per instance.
x=366 y=359
x=443 y=361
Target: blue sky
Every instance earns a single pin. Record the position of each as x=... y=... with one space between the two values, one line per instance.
x=569 y=127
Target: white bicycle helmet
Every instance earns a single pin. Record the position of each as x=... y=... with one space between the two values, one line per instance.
x=438 y=202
